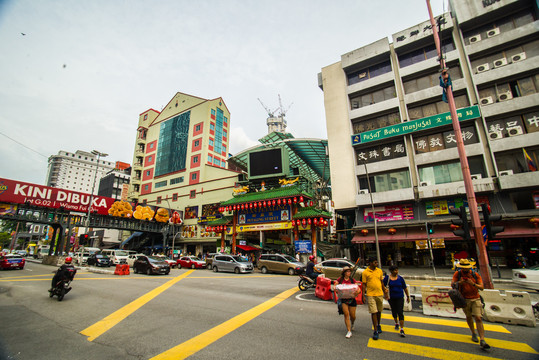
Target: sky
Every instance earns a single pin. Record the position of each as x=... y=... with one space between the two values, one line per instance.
x=75 y=75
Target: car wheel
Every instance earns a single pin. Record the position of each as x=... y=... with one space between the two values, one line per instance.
x=264 y=270
x=148 y=271
x=168 y=272
x=135 y=270
x=215 y=269
x=237 y=270
x=291 y=271
x=209 y=266
x=193 y=266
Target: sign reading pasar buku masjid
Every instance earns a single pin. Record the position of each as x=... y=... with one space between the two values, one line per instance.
x=408 y=127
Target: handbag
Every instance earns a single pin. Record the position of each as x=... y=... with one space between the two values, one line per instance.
x=456 y=297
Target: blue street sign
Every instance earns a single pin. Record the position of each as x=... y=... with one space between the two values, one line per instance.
x=484 y=232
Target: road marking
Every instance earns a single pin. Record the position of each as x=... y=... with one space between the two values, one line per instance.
x=455 y=323
x=503 y=344
x=99 y=328
x=199 y=342
x=426 y=351
x=23 y=277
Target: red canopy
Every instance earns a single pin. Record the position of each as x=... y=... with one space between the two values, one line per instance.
x=247 y=248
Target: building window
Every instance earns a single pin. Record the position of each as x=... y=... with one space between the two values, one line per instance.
x=439 y=107
x=160 y=184
x=197 y=143
x=449 y=172
x=146 y=187
x=213 y=111
x=425 y=53
x=516 y=161
x=172 y=149
x=212 y=126
x=195 y=160
x=386 y=182
x=176 y=180
x=158 y=199
x=174 y=197
x=145 y=116
x=210 y=159
x=192 y=194
x=217 y=161
x=359 y=101
x=197 y=128
x=430 y=80
x=194 y=176
x=369 y=73
x=507 y=90
x=211 y=142
x=148 y=172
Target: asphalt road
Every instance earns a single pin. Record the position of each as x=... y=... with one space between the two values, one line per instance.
x=204 y=315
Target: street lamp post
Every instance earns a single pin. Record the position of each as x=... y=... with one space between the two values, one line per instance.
x=99 y=155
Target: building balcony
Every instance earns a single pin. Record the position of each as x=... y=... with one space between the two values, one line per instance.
x=511 y=105
x=135 y=180
x=489 y=72
x=432 y=92
x=507 y=180
x=384 y=197
x=514 y=142
x=480 y=185
x=141 y=141
x=376 y=81
x=484 y=44
x=375 y=108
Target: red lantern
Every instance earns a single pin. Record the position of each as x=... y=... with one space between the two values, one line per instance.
x=234 y=207
x=309 y=221
x=331 y=222
x=301 y=199
x=303 y=222
x=392 y=231
x=289 y=201
x=264 y=203
x=260 y=204
x=454 y=227
x=295 y=200
x=273 y=203
x=325 y=223
x=278 y=201
x=321 y=219
x=250 y=205
x=315 y=221
x=242 y=206
x=364 y=232
x=255 y=205
x=293 y=222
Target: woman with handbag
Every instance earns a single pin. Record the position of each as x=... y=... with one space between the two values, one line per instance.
x=395 y=296
x=347 y=297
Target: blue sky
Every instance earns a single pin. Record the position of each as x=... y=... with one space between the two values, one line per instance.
x=85 y=70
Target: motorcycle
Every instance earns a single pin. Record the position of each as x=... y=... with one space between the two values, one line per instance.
x=305 y=282
x=61 y=289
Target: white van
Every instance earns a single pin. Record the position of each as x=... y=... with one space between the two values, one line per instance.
x=116 y=256
x=82 y=255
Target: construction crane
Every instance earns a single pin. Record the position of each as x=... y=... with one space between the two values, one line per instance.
x=282 y=110
x=270 y=113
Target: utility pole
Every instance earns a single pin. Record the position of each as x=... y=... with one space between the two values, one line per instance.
x=472 y=203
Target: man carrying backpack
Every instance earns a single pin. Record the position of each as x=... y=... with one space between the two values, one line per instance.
x=469 y=283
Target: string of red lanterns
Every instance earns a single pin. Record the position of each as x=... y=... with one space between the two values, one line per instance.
x=314 y=221
x=266 y=203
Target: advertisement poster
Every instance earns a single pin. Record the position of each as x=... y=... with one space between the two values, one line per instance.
x=210 y=212
x=389 y=213
x=191 y=212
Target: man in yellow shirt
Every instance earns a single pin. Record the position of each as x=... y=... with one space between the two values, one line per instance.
x=374 y=290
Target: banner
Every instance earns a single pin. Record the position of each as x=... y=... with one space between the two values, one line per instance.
x=18 y=192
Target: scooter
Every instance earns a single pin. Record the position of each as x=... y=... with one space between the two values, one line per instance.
x=61 y=289
x=305 y=282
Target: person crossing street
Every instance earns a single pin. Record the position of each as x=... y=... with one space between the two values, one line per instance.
x=372 y=278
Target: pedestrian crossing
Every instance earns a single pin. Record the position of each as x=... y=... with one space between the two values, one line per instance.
x=449 y=331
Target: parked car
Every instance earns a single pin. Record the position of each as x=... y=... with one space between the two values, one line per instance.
x=332 y=268
x=280 y=263
x=99 y=259
x=11 y=261
x=209 y=259
x=192 y=262
x=131 y=258
x=82 y=255
x=22 y=253
x=170 y=262
x=231 y=263
x=528 y=278
x=116 y=256
x=150 y=265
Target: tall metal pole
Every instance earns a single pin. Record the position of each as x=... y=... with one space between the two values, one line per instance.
x=373 y=216
x=99 y=155
x=472 y=203
x=430 y=248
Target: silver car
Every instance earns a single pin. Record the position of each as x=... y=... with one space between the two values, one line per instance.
x=231 y=263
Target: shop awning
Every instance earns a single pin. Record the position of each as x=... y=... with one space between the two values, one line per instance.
x=247 y=248
x=134 y=235
x=271 y=194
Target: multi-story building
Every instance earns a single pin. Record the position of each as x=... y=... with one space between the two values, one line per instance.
x=115 y=184
x=387 y=121
x=180 y=162
x=77 y=171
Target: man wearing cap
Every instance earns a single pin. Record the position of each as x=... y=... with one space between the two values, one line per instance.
x=372 y=281
x=469 y=283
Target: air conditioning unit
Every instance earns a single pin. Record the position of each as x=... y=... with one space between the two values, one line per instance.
x=482 y=68
x=500 y=62
x=505 y=96
x=486 y=100
x=476 y=176
x=363 y=191
x=518 y=57
x=474 y=39
x=515 y=131
x=493 y=32
x=424 y=183
x=495 y=135
x=506 y=172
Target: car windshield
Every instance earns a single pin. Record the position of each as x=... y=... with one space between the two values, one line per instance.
x=289 y=258
x=536 y=267
x=240 y=259
x=120 y=253
x=155 y=259
x=194 y=258
x=99 y=256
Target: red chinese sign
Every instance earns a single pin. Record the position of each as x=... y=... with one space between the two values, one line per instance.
x=18 y=192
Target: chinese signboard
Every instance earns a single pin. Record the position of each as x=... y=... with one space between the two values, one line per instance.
x=19 y=192
x=408 y=127
x=304 y=246
x=281 y=213
x=389 y=213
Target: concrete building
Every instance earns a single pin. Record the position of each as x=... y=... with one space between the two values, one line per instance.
x=76 y=171
x=180 y=162
x=387 y=121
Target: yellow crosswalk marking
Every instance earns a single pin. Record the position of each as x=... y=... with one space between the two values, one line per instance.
x=503 y=344
x=445 y=322
x=425 y=351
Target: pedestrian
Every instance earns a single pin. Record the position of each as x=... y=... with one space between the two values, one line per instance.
x=397 y=287
x=349 y=304
x=372 y=278
x=469 y=282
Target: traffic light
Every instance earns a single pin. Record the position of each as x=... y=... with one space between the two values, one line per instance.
x=430 y=228
x=492 y=230
x=83 y=239
x=464 y=230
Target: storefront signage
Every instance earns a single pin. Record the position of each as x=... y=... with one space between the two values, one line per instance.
x=441 y=207
x=260 y=227
x=408 y=127
x=19 y=192
x=436 y=244
x=304 y=246
x=278 y=214
x=389 y=213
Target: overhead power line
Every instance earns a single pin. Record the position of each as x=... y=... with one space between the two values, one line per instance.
x=29 y=148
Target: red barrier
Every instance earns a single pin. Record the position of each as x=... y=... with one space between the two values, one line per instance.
x=323 y=288
x=118 y=270
x=125 y=269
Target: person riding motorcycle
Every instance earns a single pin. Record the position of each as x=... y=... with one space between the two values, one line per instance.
x=66 y=271
x=311 y=271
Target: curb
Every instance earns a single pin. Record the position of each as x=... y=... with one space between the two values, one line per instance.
x=446 y=278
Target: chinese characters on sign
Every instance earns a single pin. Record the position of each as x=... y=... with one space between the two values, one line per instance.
x=379 y=153
x=389 y=213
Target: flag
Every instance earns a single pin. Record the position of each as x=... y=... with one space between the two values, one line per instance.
x=531 y=164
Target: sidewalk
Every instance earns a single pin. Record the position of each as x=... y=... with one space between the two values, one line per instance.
x=446 y=274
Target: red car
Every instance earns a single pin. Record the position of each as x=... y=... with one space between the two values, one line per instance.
x=192 y=262
x=11 y=261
